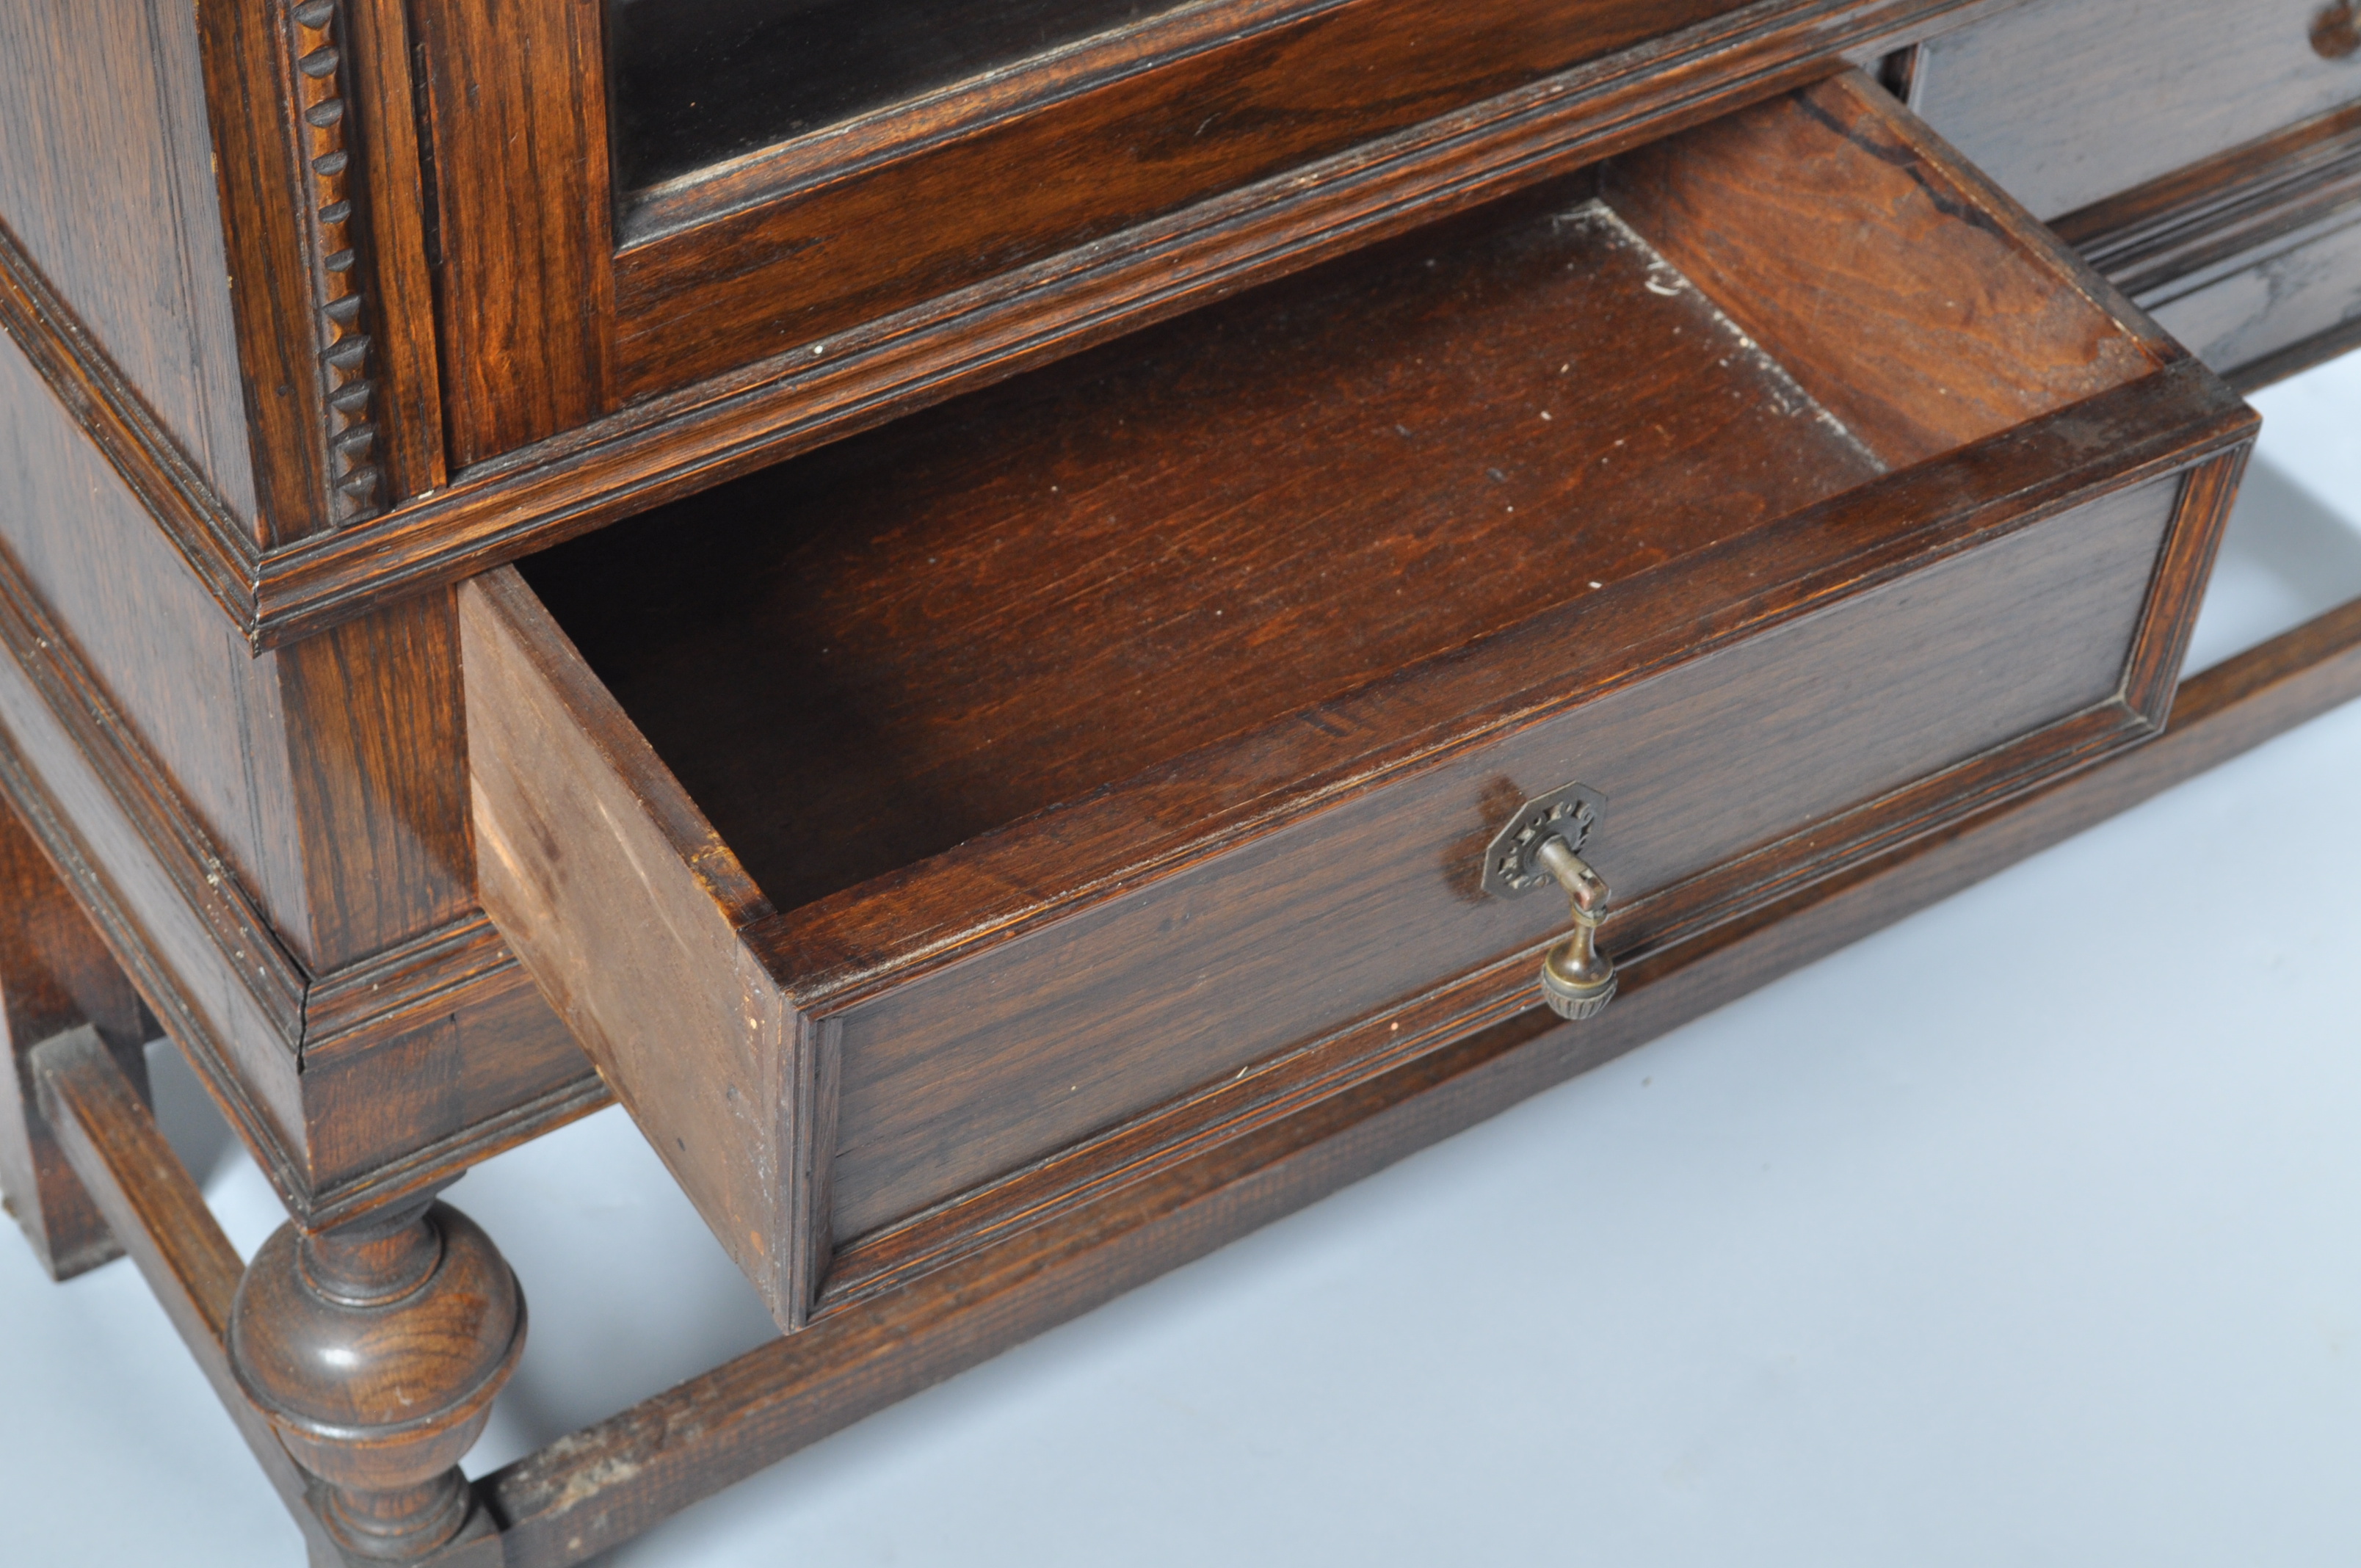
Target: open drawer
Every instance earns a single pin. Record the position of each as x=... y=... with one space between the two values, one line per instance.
x=971 y=814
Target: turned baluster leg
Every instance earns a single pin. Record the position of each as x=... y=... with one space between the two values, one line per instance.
x=374 y=1349
x=55 y=976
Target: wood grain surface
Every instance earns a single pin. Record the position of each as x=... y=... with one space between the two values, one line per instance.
x=350 y=1087
x=404 y=235
x=1849 y=245
x=377 y=772
x=1179 y=685
x=282 y=842
x=720 y=97
x=108 y=185
x=607 y=464
x=625 y=461
x=2252 y=257
x=269 y=200
x=250 y=742
x=2304 y=290
x=56 y=976
x=175 y=682
x=515 y=109
x=1004 y=604
x=598 y=1487
x=2066 y=102
x=979 y=1068
x=656 y=896
x=2192 y=222
x=945 y=214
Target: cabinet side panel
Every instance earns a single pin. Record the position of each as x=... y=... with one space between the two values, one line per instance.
x=194 y=695
x=106 y=180
x=976 y=1068
x=168 y=946
x=489 y=1056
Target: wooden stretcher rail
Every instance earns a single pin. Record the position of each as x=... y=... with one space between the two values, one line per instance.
x=160 y=1218
x=591 y=1491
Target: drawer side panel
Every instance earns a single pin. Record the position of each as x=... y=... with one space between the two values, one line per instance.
x=625 y=909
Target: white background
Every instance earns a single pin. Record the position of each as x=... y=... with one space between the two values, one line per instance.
x=1886 y=1263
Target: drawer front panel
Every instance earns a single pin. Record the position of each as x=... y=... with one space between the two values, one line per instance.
x=985 y=1065
x=2067 y=101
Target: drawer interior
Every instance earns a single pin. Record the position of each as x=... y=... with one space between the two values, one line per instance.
x=955 y=626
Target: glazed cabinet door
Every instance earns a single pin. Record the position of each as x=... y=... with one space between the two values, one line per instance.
x=716 y=183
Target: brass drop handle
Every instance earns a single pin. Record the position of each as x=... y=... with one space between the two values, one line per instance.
x=1540 y=847
x=1578 y=979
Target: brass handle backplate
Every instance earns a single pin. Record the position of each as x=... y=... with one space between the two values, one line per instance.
x=1538 y=848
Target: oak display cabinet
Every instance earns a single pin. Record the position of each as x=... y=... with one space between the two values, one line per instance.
x=1040 y=632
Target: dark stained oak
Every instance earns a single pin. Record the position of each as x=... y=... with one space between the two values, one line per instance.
x=2066 y=103
x=1004 y=604
x=660 y=900
x=596 y=1489
x=374 y=1349
x=1028 y=833
x=698 y=84
x=274 y=90
x=1110 y=732
x=375 y=741
x=86 y=544
x=944 y=213
x=1306 y=490
x=2195 y=218
x=350 y=1088
x=402 y=230
x=56 y=976
x=108 y=186
x=504 y=357
x=1024 y=857
x=385 y=696
x=1898 y=289
x=523 y=236
x=150 y=1202
x=2252 y=257
x=647 y=451
x=278 y=848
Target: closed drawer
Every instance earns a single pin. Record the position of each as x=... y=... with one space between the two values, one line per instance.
x=2252 y=257
x=2065 y=103
x=2283 y=306
x=974 y=813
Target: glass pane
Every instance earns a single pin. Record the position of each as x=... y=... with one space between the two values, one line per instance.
x=697 y=82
